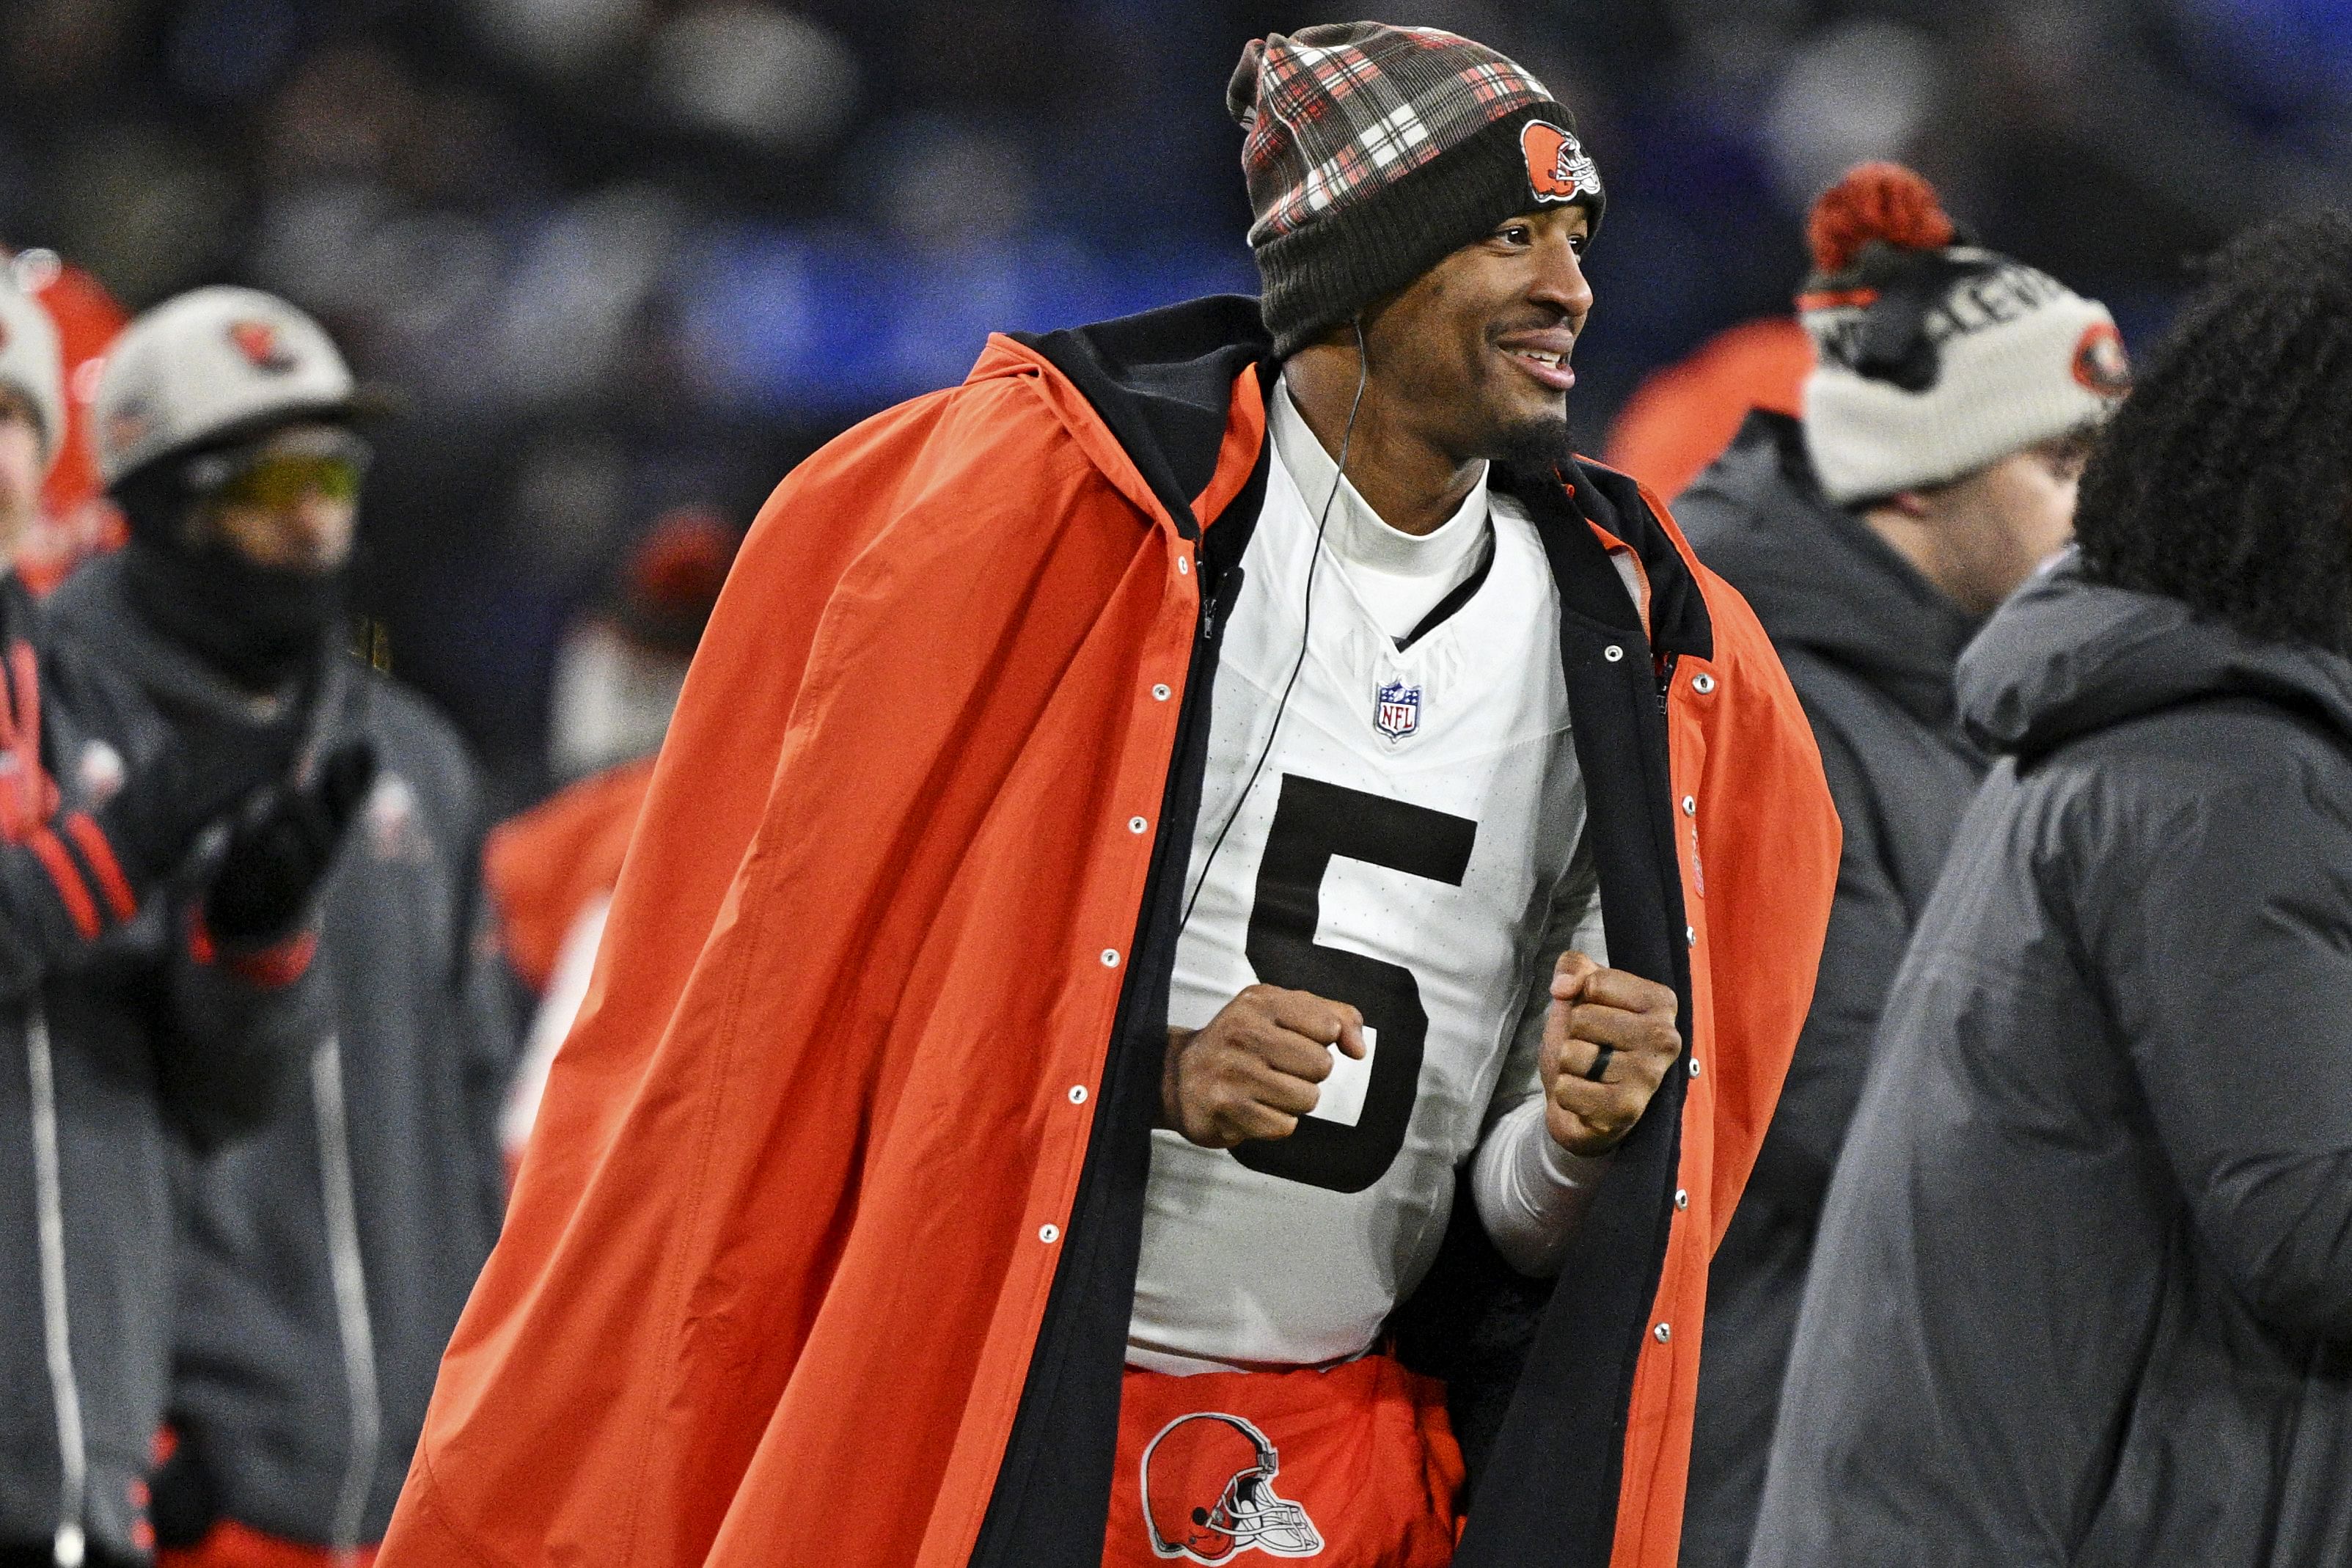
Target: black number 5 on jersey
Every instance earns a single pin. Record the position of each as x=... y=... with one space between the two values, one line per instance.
x=1313 y=823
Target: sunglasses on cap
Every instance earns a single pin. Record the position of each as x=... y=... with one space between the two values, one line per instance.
x=281 y=472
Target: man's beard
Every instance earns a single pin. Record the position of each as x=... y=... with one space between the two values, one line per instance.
x=1541 y=443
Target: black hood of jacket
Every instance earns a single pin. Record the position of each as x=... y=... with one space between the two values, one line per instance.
x=1817 y=576
x=2067 y=656
x=1163 y=382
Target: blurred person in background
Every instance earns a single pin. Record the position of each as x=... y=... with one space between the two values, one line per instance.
x=146 y=1007
x=1954 y=400
x=1682 y=417
x=32 y=414
x=924 y=1146
x=76 y=521
x=550 y=871
x=2082 y=1292
x=322 y=1265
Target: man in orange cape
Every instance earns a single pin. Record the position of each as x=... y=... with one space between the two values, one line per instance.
x=996 y=1042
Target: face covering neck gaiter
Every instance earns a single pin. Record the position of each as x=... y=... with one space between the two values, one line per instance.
x=259 y=625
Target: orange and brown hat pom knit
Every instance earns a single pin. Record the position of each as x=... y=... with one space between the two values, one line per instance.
x=1876 y=201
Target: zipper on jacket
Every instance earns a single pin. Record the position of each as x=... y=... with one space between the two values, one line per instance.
x=1666 y=679
x=347 y=1268
x=56 y=1337
x=1217 y=598
x=1011 y=1527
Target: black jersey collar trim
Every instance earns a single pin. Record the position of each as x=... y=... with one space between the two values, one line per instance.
x=1456 y=596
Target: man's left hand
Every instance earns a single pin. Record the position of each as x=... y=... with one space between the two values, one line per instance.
x=1596 y=1011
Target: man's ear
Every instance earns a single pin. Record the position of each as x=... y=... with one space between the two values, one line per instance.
x=1912 y=504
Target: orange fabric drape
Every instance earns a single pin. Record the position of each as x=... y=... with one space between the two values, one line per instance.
x=781 y=1246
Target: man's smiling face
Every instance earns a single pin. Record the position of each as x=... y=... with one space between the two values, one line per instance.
x=1475 y=351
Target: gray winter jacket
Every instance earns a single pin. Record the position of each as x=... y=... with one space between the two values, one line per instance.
x=118 y=1052
x=2084 y=1288
x=323 y=1264
x=1870 y=646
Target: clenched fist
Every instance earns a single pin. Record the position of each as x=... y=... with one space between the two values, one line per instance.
x=1253 y=1071
x=1618 y=1022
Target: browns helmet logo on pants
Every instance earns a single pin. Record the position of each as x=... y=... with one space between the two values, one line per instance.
x=1208 y=1493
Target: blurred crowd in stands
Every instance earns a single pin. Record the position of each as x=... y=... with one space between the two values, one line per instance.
x=622 y=255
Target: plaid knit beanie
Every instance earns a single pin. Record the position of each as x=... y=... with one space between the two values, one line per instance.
x=1935 y=358
x=1372 y=152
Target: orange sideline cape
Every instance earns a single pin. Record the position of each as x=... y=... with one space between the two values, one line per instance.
x=780 y=1250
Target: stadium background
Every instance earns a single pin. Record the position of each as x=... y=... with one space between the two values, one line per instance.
x=627 y=254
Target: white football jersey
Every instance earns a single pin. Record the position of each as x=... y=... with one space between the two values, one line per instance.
x=1405 y=849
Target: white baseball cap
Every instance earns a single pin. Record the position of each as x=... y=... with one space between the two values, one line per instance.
x=208 y=367
x=30 y=363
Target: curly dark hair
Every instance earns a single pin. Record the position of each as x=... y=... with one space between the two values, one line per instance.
x=2225 y=481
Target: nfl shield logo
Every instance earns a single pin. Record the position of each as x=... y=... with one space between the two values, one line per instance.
x=1396 y=712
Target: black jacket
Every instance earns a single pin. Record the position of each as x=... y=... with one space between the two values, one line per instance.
x=1870 y=646
x=2084 y=1288
x=323 y=1264
x=119 y=1051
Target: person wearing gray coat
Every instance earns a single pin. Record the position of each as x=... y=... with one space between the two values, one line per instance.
x=140 y=1020
x=323 y=1263
x=2083 y=1293
x=1872 y=539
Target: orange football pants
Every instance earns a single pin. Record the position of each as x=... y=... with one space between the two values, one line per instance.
x=229 y=1544
x=1352 y=1467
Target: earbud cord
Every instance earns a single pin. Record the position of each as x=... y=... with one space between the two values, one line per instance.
x=1305 y=624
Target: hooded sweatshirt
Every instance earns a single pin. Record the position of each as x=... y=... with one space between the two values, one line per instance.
x=2083 y=1293
x=1870 y=646
x=322 y=1265
x=120 y=1052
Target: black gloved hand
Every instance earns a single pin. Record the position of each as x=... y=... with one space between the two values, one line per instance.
x=282 y=846
x=152 y=820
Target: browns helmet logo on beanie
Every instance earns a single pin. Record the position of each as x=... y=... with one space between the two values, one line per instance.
x=2100 y=363
x=262 y=347
x=1559 y=168
x=211 y=367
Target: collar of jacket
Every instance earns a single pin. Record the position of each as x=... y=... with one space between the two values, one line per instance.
x=1151 y=398
x=1161 y=404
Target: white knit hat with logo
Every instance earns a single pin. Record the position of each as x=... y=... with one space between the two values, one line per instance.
x=1935 y=358
x=209 y=367
x=30 y=363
